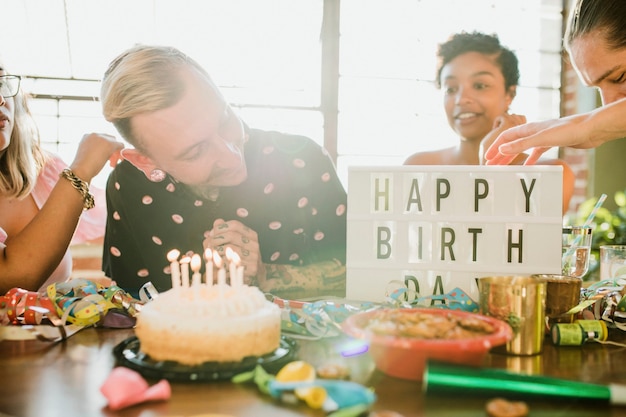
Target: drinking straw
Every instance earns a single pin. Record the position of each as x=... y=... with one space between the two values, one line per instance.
x=595 y=210
x=447 y=379
x=587 y=223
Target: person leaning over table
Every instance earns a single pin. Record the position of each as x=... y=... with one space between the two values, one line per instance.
x=198 y=177
x=41 y=199
x=479 y=78
x=595 y=39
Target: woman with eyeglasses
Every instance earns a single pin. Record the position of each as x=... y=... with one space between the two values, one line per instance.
x=42 y=199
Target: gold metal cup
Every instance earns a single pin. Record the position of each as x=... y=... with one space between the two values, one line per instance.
x=519 y=301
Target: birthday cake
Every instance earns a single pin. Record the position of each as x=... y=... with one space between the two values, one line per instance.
x=208 y=323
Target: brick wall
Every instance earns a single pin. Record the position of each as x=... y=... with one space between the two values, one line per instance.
x=87 y=259
x=578 y=159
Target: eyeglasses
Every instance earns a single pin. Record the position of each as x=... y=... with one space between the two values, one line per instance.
x=9 y=85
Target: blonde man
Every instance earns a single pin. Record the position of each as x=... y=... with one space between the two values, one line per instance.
x=199 y=178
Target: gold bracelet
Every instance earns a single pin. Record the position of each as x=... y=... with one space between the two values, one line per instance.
x=81 y=186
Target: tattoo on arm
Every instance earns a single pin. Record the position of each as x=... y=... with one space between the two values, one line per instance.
x=327 y=277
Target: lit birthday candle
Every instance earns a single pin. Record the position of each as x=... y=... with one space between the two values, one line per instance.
x=184 y=266
x=232 y=267
x=208 y=257
x=240 y=274
x=196 y=262
x=172 y=257
x=221 y=272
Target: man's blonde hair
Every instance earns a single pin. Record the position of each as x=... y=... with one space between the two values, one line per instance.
x=142 y=79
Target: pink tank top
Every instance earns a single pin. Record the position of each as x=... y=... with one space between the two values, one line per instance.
x=90 y=226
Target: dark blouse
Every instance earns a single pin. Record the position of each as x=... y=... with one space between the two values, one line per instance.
x=292 y=198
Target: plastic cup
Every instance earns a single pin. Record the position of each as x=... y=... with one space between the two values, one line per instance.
x=562 y=293
x=576 y=249
x=612 y=261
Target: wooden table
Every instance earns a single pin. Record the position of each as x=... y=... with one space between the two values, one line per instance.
x=63 y=379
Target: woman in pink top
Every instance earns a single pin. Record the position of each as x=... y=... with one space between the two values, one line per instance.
x=41 y=200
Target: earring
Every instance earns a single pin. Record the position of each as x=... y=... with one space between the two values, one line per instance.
x=157 y=175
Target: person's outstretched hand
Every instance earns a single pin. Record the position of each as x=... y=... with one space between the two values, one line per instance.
x=539 y=137
x=501 y=124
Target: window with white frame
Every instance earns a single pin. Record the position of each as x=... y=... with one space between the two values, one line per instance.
x=389 y=107
x=269 y=58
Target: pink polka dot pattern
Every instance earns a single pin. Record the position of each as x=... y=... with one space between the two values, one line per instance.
x=275 y=225
x=303 y=202
x=291 y=202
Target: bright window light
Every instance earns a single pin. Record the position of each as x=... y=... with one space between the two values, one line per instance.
x=266 y=55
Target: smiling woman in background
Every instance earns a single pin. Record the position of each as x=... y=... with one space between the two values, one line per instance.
x=595 y=39
x=39 y=212
x=479 y=78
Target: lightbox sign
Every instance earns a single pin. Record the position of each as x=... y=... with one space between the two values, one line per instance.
x=435 y=228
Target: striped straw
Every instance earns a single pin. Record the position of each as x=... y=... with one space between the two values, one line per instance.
x=587 y=223
x=595 y=210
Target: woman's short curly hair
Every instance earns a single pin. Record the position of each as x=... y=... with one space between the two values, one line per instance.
x=464 y=42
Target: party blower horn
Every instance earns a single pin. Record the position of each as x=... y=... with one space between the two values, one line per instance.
x=442 y=378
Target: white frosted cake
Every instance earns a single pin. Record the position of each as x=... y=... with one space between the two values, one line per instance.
x=208 y=323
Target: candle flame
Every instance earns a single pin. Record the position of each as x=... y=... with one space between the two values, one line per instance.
x=195 y=262
x=208 y=254
x=217 y=259
x=229 y=253
x=235 y=258
x=185 y=259
x=173 y=255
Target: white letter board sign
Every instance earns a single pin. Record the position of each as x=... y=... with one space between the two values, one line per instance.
x=436 y=228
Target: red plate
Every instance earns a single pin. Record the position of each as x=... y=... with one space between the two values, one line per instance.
x=405 y=357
